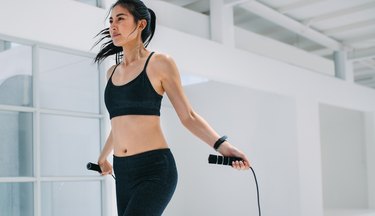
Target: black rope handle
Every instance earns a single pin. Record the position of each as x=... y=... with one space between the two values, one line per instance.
x=95 y=167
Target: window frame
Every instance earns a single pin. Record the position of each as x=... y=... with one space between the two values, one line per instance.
x=36 y=112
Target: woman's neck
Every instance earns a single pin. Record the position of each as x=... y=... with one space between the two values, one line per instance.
x=133 y=53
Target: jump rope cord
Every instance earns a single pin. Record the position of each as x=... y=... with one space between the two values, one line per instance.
x=256 y=183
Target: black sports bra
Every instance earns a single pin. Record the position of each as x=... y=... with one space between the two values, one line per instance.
x=137 y=97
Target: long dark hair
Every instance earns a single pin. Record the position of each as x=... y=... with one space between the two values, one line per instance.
x=139 y=11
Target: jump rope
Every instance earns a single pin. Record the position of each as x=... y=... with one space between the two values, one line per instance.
x=212 y=159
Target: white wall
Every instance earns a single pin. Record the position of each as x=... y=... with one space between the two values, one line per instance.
x=263 y=126
x=66 y=23
x=369 y=119
x=309 y=156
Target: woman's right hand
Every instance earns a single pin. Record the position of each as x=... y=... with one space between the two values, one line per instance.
x=106 y=167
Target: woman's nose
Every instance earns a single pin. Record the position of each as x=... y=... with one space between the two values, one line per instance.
x=112 y=25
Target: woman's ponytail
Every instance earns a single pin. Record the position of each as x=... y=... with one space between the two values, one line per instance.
x=152 y=26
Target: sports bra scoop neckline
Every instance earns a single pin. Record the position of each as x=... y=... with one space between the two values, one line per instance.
x=136 y=97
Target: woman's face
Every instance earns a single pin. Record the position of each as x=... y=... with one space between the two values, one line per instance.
x=122 y=26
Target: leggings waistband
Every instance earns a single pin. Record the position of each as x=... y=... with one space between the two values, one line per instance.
x=147 y=155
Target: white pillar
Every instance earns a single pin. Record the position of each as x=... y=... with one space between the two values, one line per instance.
x=349 y=71
x=222 y=26
x=343 y=66
x=370 y=156
x=309 y=157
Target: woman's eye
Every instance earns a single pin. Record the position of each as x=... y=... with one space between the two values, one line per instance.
x=111 y=21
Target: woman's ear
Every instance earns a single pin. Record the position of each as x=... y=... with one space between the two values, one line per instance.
x=142 y=24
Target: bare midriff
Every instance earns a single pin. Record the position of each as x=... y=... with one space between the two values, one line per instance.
x=134 y=134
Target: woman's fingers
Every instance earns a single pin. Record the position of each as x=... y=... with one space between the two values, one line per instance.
x=228 y=149
x=106 y=172
x=240 y=165
x=106 y=168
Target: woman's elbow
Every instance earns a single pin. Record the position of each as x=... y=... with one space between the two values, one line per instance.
x=187 y=118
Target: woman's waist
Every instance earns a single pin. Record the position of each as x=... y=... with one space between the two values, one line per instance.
x=129 y=120
x=126 y=148
x=135 y=128
x=140 y=136
x=156 y=160
x=131 y=136
x=126 y=144
x=149 y=154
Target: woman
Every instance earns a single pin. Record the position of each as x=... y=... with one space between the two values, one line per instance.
x=144 y=166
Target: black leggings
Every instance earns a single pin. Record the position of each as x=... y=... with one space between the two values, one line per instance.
x=145 y=182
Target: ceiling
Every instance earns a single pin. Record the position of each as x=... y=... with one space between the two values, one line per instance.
x=317 y=26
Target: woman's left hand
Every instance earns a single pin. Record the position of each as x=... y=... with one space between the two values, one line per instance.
x=228 y=150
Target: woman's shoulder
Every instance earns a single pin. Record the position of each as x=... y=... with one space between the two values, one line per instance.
x=163 y=60
x=110 y=70
x=165 y=66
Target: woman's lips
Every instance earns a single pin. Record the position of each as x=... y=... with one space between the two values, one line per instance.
x=115 y=35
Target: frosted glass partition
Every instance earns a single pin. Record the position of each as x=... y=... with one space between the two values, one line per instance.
x=16 y=144
x=68 y=82
x=71 y=198
x=16 y=199
x=67 y=144
x=48 y=136
x=15 y=74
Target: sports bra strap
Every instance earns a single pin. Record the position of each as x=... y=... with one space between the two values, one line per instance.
x=114 y=71
x=144 y=68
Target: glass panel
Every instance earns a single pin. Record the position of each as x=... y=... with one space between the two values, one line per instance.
x=68 y=82
x=15 y=74
x=16 y=199
x=71 y=198
x=68 y=144
x=16 y=144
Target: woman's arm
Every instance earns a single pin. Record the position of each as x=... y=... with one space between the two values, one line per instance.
x=105 y=166
x=171 y=83
x=108 y=147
